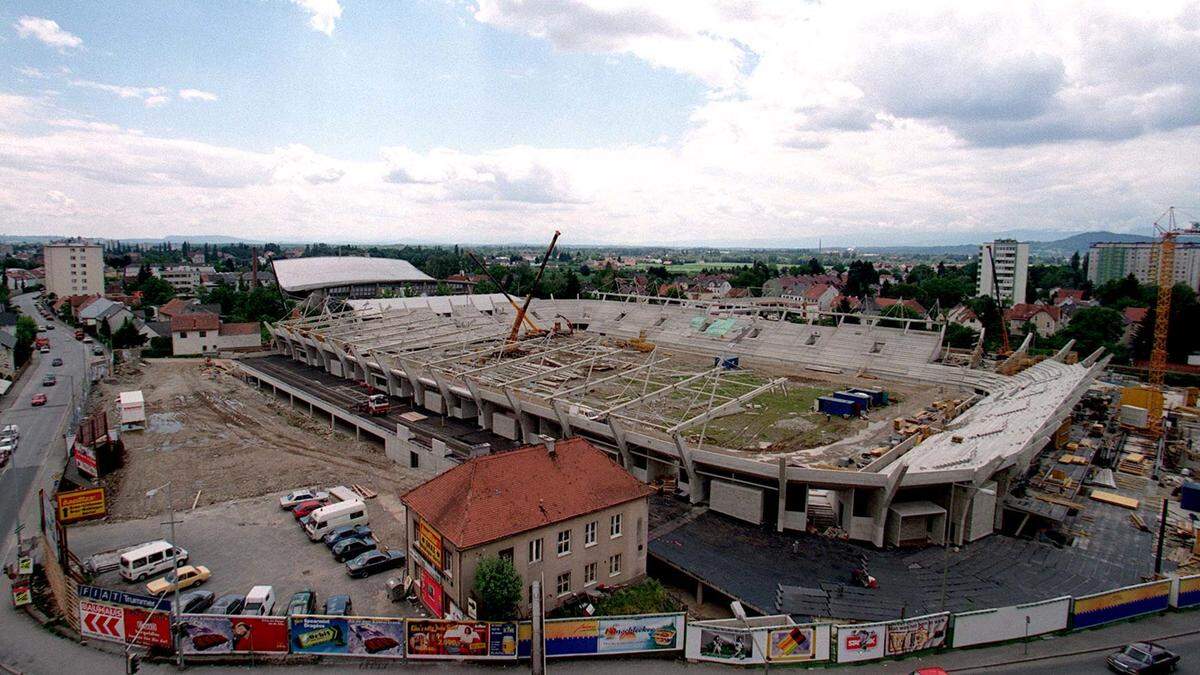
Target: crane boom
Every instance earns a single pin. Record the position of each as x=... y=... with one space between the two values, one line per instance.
x=1165 y=255
x=1006 y=349
x=516 y=327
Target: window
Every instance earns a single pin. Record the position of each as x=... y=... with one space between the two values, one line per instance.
x=564 y=542
x=589 y=574
x=535 y=551
x=563 y=585
x=614 y=526
x=507 y=554
x=614 y=565
x=589 y=534
x=182 y=335
x=203 y=333
x=448 y=562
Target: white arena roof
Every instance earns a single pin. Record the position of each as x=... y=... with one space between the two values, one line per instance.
x=307 y=274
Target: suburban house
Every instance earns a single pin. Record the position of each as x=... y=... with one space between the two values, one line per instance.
x=8 y=354
x=104 y=311
x=1132 y=319
x=18 y=279
x=819 y=298
x=563 y=511
x=964 y=315
x=883 y=304
x=1062 y=295
x=1047 y=319
x=205 y=333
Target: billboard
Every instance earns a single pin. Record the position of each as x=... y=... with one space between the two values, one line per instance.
x=1188 y=592
x=114 y=623
x=218 y=634
x=349 y=636
x=1093 y=610
x=115 y=597
x=916 y=634
x=430 y=639
x=612 y=635
x=79 y=505
x=319 y=634
x=431 y=592
x=429 y=543
x=733 y=646
x=794 y=643
x=860 y=642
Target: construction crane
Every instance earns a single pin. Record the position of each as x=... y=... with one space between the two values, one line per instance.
x=521 y=313
x=1005 y=348
x=528 y=321
x=1167 y=231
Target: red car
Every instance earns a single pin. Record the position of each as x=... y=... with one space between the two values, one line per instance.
x=38 y=399
x=304 y=508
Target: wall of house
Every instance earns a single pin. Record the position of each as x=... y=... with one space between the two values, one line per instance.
x=240 y=341
x=194 y=342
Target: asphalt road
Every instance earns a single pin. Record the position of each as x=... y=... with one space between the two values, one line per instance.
x=1188 y=647
x=40 y=426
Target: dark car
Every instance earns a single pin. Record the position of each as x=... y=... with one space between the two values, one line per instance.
x=346 y=532
x=49 y=381
x=195 y=602
x=228 y=604
x=302 y=602
x=375 y=561
x=339 y=605
x=304 y=508
x=352 y=548
x=56 y=362
x=1143 y=657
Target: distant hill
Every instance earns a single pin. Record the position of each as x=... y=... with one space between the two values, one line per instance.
x=1082 y=242
x=207 y=239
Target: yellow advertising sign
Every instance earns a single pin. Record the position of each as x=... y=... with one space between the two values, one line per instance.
x=429 y=543
x=81 y=505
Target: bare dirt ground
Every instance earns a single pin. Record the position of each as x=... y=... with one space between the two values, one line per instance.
x=216 y=439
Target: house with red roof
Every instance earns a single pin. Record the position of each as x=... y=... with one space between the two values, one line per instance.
x=563 y=511
x=1062 y=295
x=204 y=333
x=1047 y=319
x=1132 y=319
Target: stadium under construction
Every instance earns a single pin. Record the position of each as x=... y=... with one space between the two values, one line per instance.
x=725 y=402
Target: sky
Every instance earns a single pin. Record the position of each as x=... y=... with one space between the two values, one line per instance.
x=688 y=122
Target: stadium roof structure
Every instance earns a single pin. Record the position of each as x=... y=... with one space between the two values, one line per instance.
x=297 y=275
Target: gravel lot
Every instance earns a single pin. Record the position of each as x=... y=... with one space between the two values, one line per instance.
x=252 y=541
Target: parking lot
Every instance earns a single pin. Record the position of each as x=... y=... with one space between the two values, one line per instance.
x=252 y=541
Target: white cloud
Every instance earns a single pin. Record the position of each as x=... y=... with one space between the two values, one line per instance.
x=47 y=31
x=196 y=95
x=31 y=72
x=323 y=14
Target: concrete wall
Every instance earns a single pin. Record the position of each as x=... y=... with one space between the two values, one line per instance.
x=739 y=501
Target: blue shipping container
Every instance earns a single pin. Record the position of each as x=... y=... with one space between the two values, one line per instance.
x=864 y=400
x=1189 y=496
x=878 y=396
x=836 y=406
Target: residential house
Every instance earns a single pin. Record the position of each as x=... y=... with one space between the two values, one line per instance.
x=882 y=304
x=104 y=311
x=710 y=286
x=1047 y=319
x=819 y=298
x=961 y=314
x=203 y=332
x=1132 y=319
x=8 y=354
x=563 y=512
x=20 y=280
x=1064 y=295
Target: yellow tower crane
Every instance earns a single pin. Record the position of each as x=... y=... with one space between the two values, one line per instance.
x=1167 y=231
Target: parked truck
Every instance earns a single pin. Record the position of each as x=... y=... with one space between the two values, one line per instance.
x=375 y=404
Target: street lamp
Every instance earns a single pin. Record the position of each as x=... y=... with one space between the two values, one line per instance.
x=166 y=489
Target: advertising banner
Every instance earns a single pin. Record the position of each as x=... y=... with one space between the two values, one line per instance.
x=217 y=634
x=105 y=622
x=115 y=597
x=147 y=629
x=860 y=642
x=1093 y=610
x=431 y=592
x=79 y=505
x=916 y=634
x=319 y=634
x=645 y=633
x=568 y=637
x=735 y=646
x=429 y=543
x=1189 y=592
x=22 y=593
x=429 y=639
x=795 y=643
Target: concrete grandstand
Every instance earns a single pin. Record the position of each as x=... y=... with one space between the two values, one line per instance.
x=651 y=382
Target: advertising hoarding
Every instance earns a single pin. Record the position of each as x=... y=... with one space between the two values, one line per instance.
x=319 y=634
x=1188 y=593
x=617 y=634
x=860 y=642
x=219 y=634
x=429 y=639
x=429 y=543
x=735 y=646
x=431 y=592
x=794 y=643
x=79 y=505
x=916 y=634
x=1123 y=603
x=1009 y=623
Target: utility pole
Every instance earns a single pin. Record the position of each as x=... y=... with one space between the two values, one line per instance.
x=1162 y=536
x=537 y=650
x=174 y=616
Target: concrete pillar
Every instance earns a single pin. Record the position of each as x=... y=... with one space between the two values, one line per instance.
x=782 y=505
x=622 y=446
x=699 y=592
x=695 y=488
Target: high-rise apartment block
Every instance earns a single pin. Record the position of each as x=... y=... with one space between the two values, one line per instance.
x=74 y=267
x=1011 y=270
x=1110 y=260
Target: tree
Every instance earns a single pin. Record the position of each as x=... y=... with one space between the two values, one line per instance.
x=960 y=336
x=26 y=333
x=1093 y=327
x=155 y=291
x=499 y=589
x=127 y=336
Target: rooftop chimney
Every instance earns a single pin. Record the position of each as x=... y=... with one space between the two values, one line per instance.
x=548 y=441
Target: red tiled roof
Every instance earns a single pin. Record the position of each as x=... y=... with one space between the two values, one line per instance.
x=195 y=321
x=497 y=496
x=1136 y=314
x=1024 y=312
x=884 y=303
x=249 y=328
x=172 y=307
x=815 y=291
x=1067 y=293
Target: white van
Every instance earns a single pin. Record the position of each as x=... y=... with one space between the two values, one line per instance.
x=260 y=601
x=150 y=559
x=324 y=519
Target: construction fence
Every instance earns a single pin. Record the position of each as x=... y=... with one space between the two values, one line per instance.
x=128 y=618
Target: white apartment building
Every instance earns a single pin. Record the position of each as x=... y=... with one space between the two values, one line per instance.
x=1012 y=270
x=185 y=279
x=1111 y=260
x=74 y=267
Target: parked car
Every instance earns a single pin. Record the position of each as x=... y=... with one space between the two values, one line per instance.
x=88 y=340
x=339 y=605
x=260 y=601
x=38 y=399
x=291 y=499
x=188 y=576
x=373 y=562
x=352 y=548
x=97 y=351
x=1143 y=657
x=56 y=362
x=8 y=446
x=49 y=381
x=195 y=602
x=230 y=603
x=346 y=532
x=302 y=602
x=45 y=349
x=10 y=431
x=304 y=508
x=49 y=326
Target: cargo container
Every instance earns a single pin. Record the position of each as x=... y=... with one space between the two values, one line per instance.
x=836 y=406
x=878 y=396
x=1189 y=496
x=863 y=400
